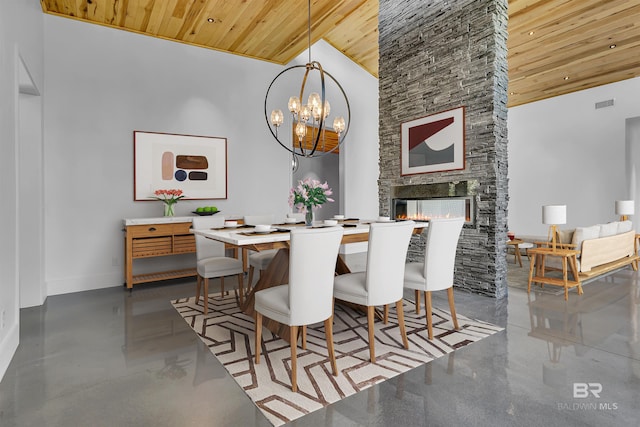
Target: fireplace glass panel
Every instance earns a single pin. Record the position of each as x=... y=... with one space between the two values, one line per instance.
x=426 y=209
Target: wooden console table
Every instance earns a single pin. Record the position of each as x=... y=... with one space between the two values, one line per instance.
x=155 y=237
x=568 y=256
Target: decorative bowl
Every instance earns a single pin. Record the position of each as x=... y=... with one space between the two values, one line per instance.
x=205 y=213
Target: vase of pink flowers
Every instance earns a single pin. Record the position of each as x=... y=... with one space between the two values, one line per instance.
x=308 y=195
x=169 y=198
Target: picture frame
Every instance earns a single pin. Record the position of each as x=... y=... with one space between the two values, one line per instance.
x=197 y=165
x=434 y=143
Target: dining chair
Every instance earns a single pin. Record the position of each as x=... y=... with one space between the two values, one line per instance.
x=382 y=281
x=436 y=271
x=308 y=298
x=260 y=259
x=212 y=262
x=299 y=216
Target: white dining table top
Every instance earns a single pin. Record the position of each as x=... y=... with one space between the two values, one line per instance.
x=235 y=236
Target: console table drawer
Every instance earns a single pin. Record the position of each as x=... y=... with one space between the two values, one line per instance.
x=136 y=231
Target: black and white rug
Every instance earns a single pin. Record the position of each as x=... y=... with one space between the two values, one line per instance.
x=229 y=334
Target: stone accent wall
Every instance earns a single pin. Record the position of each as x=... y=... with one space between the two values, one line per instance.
x=436 y=55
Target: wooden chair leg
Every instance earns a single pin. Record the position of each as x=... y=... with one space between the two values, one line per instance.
x=427 y=304
x=293 y=331
x=198 y=287
x=386 y=314
x=258 y=343
x=403 y=330
x=370 y=319
x=304 y=337
x=241 y=288
x=250 y=277
x=452 y=307
x=417 y=298
x=206 y=295
x=222 y=287
x=328 y=332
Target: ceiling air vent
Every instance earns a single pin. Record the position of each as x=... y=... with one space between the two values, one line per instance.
x=604 y=104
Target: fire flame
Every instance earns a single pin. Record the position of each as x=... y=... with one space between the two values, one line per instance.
x=420 y=217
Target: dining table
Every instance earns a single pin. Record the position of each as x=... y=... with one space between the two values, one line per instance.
x=278 y=237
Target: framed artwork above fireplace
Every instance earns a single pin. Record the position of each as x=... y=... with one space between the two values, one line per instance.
x=434 y=143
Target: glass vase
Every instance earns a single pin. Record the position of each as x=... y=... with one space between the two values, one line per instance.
x=308 y=217
x=169 y=209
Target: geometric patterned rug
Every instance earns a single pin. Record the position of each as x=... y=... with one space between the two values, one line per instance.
x=229 y=334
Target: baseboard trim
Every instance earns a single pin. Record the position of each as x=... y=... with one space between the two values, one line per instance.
x=8 y=348
x=79 y=284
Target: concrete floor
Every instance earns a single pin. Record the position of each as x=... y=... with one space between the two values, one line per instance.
x=111 y=358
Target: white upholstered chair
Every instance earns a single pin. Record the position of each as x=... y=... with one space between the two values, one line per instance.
x=382 y=281
x=261 y=259
x=299 y=216
x=436 y=272
x=212 y=262
x=308 y=298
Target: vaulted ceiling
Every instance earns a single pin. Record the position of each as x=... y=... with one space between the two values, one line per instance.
x=555 y=46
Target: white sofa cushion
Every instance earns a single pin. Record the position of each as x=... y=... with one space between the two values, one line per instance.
x=584 y=233
x=624 y=226
x=608 y=229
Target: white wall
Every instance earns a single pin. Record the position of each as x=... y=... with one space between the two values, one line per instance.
x=359 y=155
x=102 y=84
x=564 y=151
x=21 y=36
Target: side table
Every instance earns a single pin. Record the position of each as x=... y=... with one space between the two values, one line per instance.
x=517 y=245
x=568 y=256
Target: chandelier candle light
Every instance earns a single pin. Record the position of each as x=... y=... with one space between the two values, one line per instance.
x=308 y=121
x=307 y=195
x=169 y=198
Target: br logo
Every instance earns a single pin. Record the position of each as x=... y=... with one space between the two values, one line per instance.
x=583 y=390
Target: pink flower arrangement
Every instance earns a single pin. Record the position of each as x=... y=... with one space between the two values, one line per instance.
x=168 y=197
x=309 y=194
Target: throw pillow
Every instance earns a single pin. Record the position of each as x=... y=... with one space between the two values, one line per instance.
x=585 y=233
x=609 y=229
x=565 y=236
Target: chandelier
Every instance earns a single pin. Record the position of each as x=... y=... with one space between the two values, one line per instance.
x=308 y=136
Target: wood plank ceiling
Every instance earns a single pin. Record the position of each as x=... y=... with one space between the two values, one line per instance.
x=555 y=46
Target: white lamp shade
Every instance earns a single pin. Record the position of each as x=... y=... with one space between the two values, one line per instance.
x=625 y=207
x=554 y=214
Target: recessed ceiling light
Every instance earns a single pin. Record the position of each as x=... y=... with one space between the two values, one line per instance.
x=531 y=33
x=566 y=77
x=612 y=46
x=211 y=20
x=512 y=93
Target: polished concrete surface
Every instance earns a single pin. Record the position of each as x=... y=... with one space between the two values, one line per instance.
x=111 y=358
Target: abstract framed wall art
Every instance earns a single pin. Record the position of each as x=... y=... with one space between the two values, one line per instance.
x=434 y=143
x=197 y=165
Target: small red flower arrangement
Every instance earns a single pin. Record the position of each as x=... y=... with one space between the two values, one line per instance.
x=169 y=198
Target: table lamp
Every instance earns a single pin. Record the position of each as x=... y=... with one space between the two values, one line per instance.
x=553 y=215
x=624 y=208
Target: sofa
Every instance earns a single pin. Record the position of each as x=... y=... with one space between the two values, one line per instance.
x=602 y=247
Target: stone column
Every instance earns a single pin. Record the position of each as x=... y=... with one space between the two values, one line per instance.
x=436 y=55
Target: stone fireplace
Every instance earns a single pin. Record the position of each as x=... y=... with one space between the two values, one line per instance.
x=436 y=56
